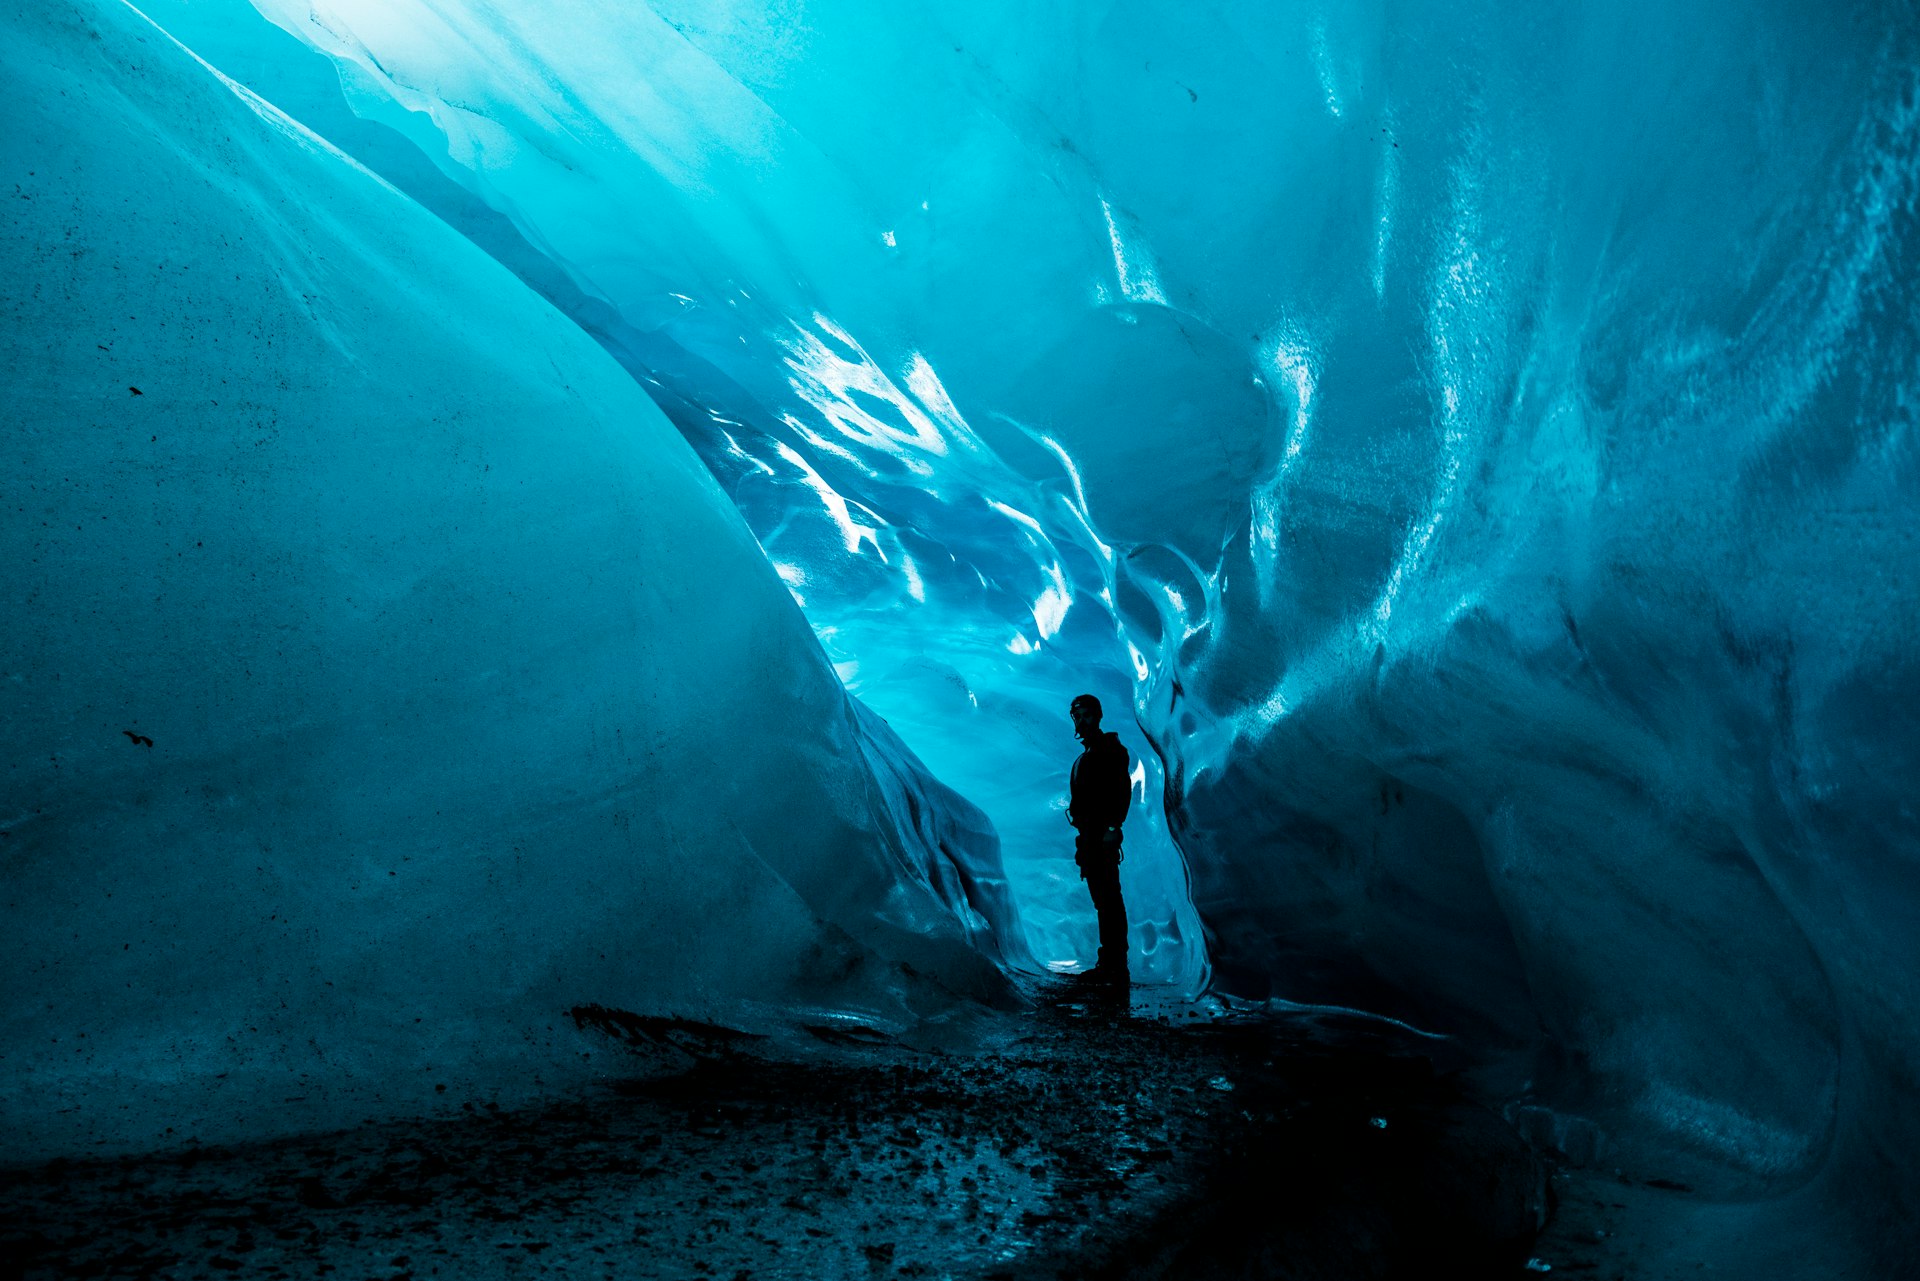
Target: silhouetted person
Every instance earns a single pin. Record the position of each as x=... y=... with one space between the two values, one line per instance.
x=1101 y=791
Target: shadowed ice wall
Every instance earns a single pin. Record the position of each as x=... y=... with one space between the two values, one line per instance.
x=384 y=675
x=1489 y=426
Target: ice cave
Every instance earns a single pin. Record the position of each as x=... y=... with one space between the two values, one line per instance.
x=548 y=544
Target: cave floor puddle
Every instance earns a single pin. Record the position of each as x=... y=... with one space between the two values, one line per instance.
x=1096 y=1140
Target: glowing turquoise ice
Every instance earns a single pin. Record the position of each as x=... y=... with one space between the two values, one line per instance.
x=1480 y=437
x=1469 y=448
x=384 y=674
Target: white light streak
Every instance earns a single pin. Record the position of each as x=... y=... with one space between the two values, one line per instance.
x=852 y=532
x=1323 y=66
x=834 y=384
x=1132 y=265
x=1015 y=515
x=1050 y=610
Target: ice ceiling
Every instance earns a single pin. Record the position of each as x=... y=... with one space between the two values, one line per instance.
x=1474 y=441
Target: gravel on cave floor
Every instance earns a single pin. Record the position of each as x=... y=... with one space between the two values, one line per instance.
x=1103 y=1138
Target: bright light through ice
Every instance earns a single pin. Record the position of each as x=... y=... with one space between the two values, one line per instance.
x=1434 y=297
x=1270 y=711
x=835 y=384
x=1132 y=265
x=1051 y=609
x=824 y=445
x=932 y=393
x=1293 y=360
x=1459 y=304
x=851 y=530
x=1414 y=553
x=1323 y=64
x=1016 y=515
x=795 y=578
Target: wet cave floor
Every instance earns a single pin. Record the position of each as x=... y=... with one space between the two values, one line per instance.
x=1101 y=1140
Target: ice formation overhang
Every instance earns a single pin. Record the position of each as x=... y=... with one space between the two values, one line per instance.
x=384 y=674
x=963 y=599
x=1491 y=427
x=1481 y=436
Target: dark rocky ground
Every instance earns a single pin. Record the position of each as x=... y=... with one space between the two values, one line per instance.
x=1095 y=1141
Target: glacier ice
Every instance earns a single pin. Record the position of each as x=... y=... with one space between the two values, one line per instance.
x=1480 y=433
x=944 y=605
x=1475 y=440
x=385 y=675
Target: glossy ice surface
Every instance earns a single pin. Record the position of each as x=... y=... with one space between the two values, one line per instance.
x=1473 y=442
x=384 y=673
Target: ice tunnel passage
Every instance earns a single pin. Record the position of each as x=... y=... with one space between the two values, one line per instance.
x=1475 y=442
x=962 y=600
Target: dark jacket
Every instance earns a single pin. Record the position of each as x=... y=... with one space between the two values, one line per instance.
x=1101 y=786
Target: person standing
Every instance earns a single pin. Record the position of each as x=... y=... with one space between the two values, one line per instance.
x=1100 y=792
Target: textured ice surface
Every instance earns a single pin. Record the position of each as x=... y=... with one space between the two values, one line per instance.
x=964 y=600
x=384 y=674
x=1490 y=426
x=1479 y=436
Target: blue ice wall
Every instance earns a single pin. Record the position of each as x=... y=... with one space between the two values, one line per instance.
x=1484 y=430
x=1475 y=438
x=384 y=674
x=967 y=609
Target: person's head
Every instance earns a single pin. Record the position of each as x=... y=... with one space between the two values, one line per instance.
x=1085 y=711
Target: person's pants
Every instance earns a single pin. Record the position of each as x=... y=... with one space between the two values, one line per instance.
x=1100 y=869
